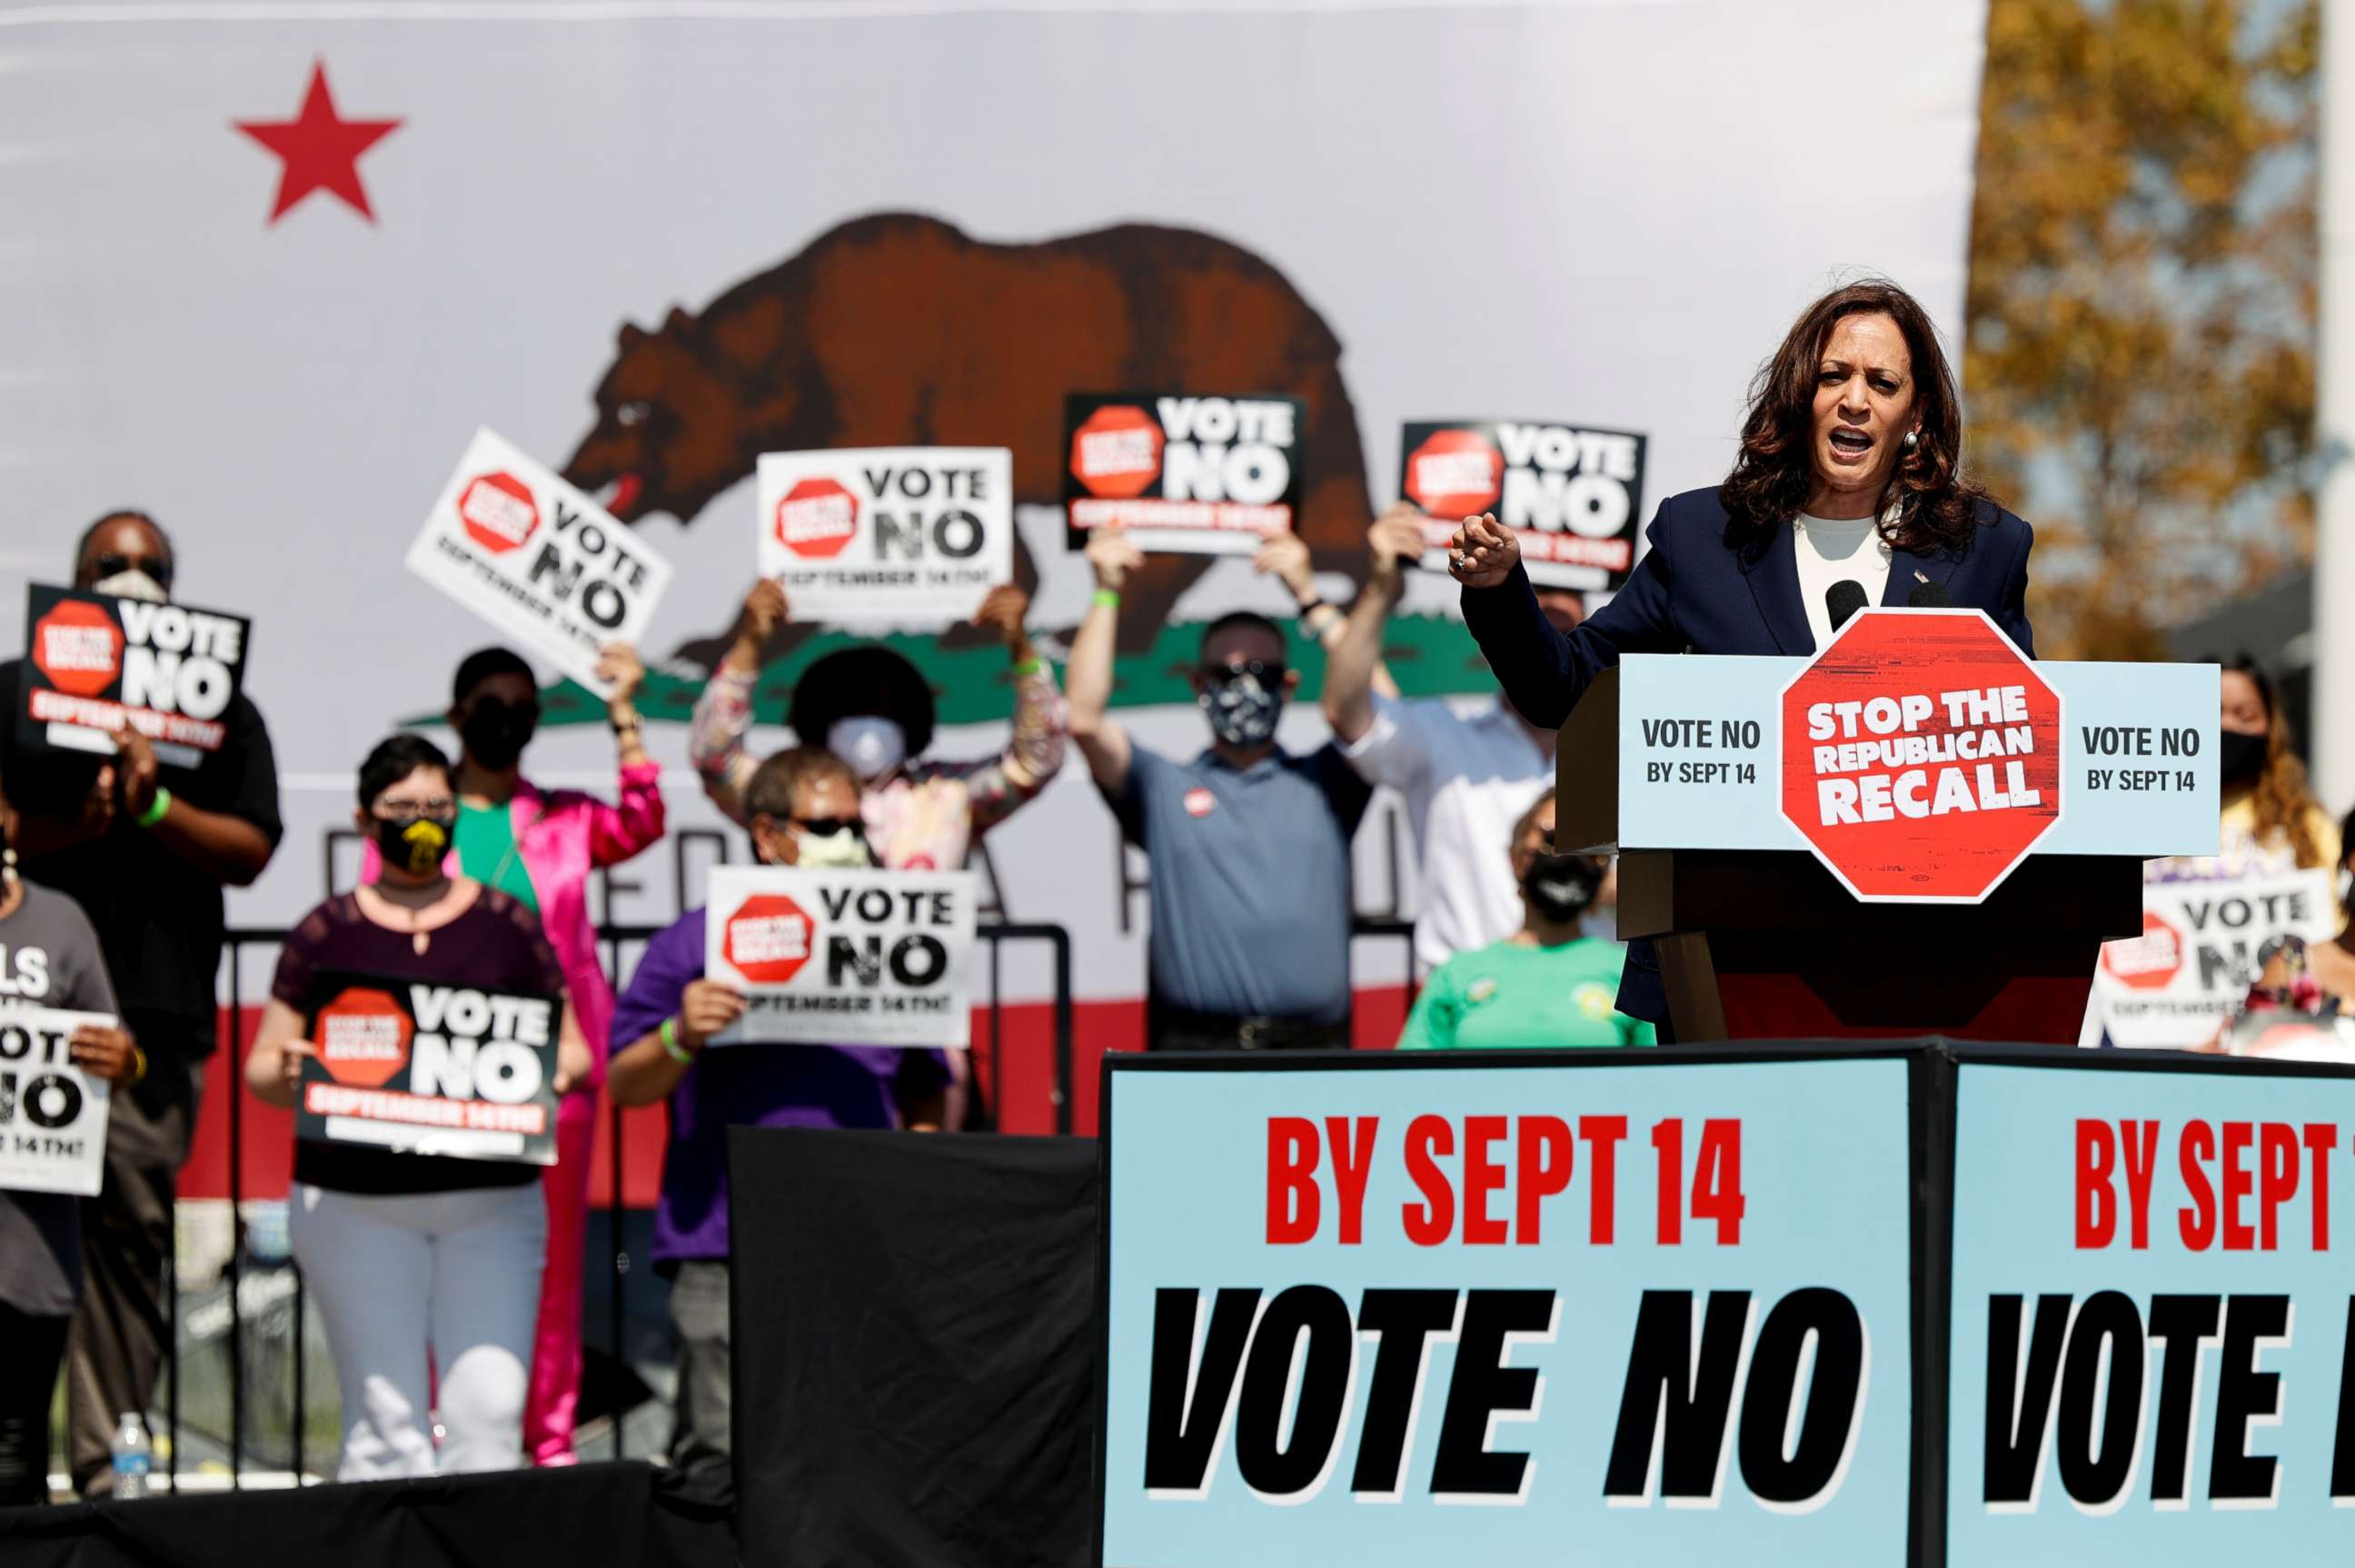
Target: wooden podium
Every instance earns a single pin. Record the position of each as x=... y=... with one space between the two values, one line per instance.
x=1768 y=945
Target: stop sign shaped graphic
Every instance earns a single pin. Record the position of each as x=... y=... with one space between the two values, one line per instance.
x=2149 y=962
x=78 y=646
x=498 y=511
x=1455 y=473
x=769 y=939
x=1116 y=452
x=816 y=518
x=1921 y=756
x=363 y=1036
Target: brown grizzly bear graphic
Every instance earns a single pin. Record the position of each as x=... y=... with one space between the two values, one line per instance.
x=898 y=329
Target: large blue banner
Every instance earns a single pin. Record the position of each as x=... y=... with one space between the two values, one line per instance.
x=1508 y=1311
x=2151 y=1305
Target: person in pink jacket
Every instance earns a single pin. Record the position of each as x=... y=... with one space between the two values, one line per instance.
x=538 y=846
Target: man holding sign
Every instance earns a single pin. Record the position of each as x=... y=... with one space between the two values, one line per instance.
x=60 y=1054
x=802 y=807
x=144 y=841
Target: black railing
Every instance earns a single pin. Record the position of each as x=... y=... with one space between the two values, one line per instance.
x=615 y=942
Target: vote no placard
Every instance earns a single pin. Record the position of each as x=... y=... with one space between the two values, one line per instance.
x=886 y=535
x=1574 y=495
x=52 y=1114
x=95 y=662
x=843 y=957
x=1412 y=1311
x=418 y=1068
x=516 y=545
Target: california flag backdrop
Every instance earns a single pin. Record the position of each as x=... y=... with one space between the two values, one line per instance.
x=268 y=266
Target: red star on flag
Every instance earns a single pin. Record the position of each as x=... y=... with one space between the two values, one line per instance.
x=321 y=149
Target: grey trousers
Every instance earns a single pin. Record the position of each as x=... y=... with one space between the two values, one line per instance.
x=701 y=1444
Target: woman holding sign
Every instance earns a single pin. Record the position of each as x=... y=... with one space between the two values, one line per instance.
x=412 y=1255
x=1848 y=491
x=538 y=846
x=49 y=964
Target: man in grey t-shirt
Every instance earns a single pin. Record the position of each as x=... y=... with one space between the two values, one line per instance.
x=1250 y=946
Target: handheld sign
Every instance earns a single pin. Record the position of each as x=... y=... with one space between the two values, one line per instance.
x=1574 y=495
x=1185 y=474
x=419 y=1067
x=95 y=662
x=539 y=559
x=52 y=1114
x=2199 y=953
x=835 y=958
x=899 y=535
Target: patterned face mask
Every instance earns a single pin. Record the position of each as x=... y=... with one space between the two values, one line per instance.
x=1242 y=712
x=1561 y=886
x=415 y=844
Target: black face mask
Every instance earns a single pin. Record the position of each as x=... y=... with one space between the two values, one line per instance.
x=1562 y=887
x=415 y=844
x=497 y=733
x=2240 y=758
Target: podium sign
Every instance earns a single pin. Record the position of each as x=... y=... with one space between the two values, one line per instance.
x=1919 y=757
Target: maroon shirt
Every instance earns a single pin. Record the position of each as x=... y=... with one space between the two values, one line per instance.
x=496 y=945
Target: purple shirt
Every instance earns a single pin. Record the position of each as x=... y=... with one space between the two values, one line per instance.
x=763 y=1085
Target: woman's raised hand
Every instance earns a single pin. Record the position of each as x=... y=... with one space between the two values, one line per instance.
x=1483 y=553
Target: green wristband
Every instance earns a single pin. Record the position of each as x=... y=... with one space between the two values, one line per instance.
x=668 y=1035
x=1029 y=667
x=156 y=809
x=1107 y=597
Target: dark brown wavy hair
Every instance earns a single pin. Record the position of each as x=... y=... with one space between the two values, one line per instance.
x=2284 y=806
x=1776 y=471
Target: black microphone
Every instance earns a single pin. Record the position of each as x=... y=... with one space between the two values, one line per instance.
x=1929 y=596
x=1843 y=599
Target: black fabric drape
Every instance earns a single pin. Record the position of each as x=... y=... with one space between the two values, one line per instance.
x=617 y=1516
x=914 y=1348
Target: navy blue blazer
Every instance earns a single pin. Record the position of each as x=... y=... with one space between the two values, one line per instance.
x=1693 y=592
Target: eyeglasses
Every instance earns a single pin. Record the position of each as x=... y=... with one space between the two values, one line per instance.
x=157 y=566
x=440 y=807
x=826 y=826
x=1266 y=674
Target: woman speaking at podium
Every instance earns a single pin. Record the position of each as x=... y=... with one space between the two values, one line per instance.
x=1848 y=491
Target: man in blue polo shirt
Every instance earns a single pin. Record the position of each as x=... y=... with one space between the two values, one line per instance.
x=1250 y=946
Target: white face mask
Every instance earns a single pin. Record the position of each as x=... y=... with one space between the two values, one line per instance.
x=841 y=849
x=132 y=585
x=872 y=746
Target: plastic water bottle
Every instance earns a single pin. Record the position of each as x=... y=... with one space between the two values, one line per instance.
x=134 y=1456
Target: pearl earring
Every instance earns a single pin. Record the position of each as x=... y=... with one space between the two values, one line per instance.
x=1913 y=439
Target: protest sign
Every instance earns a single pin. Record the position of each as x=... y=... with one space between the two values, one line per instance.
x=421 y=1068
x=94 y=662
x=1188 y=474
x=840 y=957
x=52 y=1114
x=2149 y=1344
x=897 y=536
x=539 y=559
x=1574 y=495
x=1572 y=1308
x=2177 y=983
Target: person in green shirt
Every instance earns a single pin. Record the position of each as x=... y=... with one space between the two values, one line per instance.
x=1544 y=985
